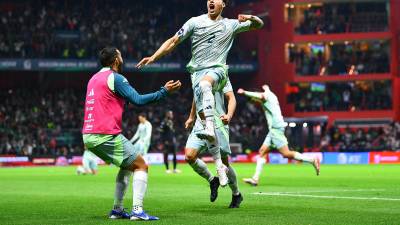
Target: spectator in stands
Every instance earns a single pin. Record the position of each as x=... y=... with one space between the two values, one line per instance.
x=331 y=18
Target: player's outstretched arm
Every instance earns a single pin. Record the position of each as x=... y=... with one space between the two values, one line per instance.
x=230 y=97
x=256 y=22
x=165 y=48
x=255 y=95
x=125 y=90
x=192 y=117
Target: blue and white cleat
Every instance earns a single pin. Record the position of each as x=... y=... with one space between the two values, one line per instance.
x=115 y=214
x=142 y=216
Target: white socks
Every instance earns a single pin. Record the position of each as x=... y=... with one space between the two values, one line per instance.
x=122 y=183
x=139 y=190
x=233 y=181
x=214 y=150
x=201 y=168
x=208 y=103
x=300 y=157
x=259 y=167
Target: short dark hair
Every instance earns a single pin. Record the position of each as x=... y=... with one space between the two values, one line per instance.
x=142 y=115
x=107 y=56
x=226 y=2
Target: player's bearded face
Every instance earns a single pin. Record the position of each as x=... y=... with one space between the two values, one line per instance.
x=215 y=7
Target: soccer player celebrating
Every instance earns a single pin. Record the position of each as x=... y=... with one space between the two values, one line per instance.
x=142 y=137
x=211 y=37
x=106 y=94
x=276 y=135
x=195 y=145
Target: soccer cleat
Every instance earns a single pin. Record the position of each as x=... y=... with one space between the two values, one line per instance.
x=122 y=214
x=250 y=181
x=236 y=200
x=223 y=178
x=207 y=134
x=177 y=171
x=214 y=185
x=317 y=165
x=168 y=171
x=142 y=216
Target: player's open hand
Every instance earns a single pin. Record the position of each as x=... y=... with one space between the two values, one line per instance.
x=144 y=62
x=226 y=119
x=240 y=91
x=173 y=86
x=189 y=123
x=243 y=17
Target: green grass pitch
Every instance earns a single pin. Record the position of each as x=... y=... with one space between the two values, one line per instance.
x=357 y=194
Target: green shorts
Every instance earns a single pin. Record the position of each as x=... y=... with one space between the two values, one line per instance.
x=115 y=149
x=276 y=138
x=221 y=133
x=219 y=75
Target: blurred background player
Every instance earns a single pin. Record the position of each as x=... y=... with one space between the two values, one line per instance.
x=106 y=94
x=211 y=37
x=196 y=146
x=276 y=133
x=168 y=138
x=141 y=139
x=89 y=164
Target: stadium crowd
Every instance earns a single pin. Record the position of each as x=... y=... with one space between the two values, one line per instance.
x=354 y=58
x=381 y=138
x=50 y=122
x=343 y=96
x=43 y=29
x=344 y=17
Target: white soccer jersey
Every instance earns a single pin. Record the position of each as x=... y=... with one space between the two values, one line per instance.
x=273 y=111
x=143 y=133
x=211 y=40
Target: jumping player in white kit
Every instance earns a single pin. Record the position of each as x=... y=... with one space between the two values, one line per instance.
x=276 y=134
x=211 y=37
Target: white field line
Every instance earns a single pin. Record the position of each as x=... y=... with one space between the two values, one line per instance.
x=328 y=191
x=326 y=196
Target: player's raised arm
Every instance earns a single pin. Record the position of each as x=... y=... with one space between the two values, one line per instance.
x=169 y=45
x=165 y=48
x=247 y=23
x=256 y=95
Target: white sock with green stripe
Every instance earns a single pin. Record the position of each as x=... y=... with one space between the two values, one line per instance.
x=300 y=157
x=201 y=168
x=208 y=103
x=122 y=183
x=214 y=149
x=139 y=190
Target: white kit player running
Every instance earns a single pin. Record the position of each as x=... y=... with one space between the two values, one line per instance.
x=211 y=37
x=141 y=139
x=276 y=134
